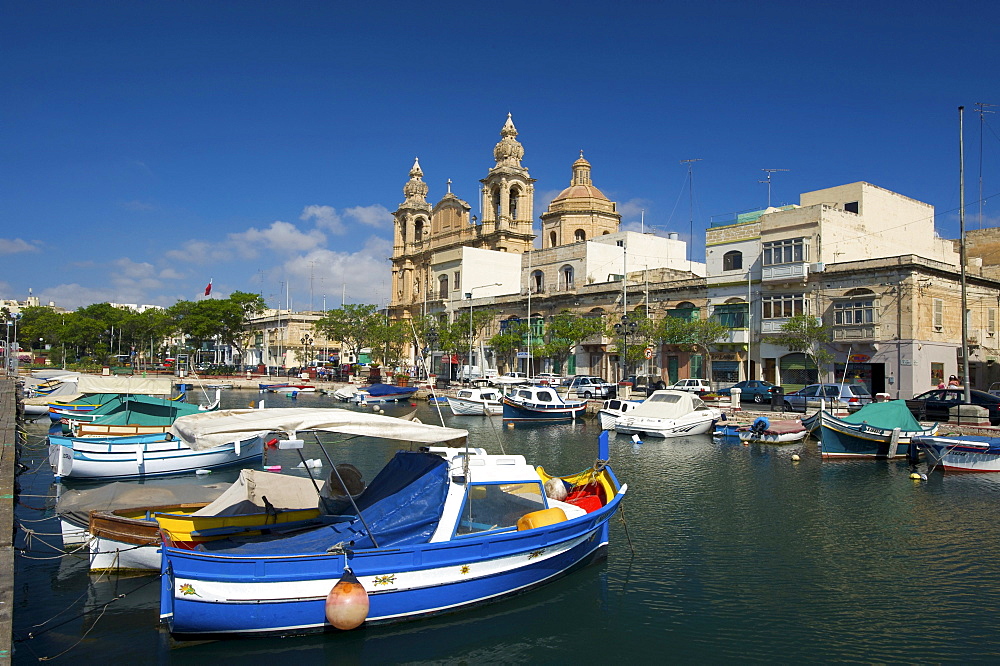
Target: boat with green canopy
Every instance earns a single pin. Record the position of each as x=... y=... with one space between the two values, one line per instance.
x=877 y=430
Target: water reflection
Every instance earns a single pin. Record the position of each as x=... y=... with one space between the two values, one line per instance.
x=741 y=553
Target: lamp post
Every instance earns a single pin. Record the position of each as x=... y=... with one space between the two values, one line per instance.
x=306 y=341
x=469 y=296
x=623 y=329
x=432 y=340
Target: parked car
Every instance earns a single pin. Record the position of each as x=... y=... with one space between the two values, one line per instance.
x=851 y=396
x=937 y=402
x=588 y=386
x=549 y=378
x=646 y=384
x=756 y=390
x=698 y=386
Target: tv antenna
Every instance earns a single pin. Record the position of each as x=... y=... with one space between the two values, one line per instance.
x=768 y=181
x=982 y=108
x=690 y=165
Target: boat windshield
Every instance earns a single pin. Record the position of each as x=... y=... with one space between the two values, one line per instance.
x=491 y=506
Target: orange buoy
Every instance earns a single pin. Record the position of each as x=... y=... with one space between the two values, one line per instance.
x=347 y=603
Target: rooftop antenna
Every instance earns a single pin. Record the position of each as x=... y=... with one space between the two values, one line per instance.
x=690 y=165
x=768 y=181
x=981 y=108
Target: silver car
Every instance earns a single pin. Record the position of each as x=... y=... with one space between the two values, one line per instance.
x=851 y=396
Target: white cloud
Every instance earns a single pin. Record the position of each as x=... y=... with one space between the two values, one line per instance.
x=375 y=215
x=363 y=276
x=16 y=245
x=279 y=237
x=326 y=217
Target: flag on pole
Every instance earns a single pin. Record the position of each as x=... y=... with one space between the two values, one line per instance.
x=208 y=289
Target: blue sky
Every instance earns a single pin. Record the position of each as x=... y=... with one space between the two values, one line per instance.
x=148 y=147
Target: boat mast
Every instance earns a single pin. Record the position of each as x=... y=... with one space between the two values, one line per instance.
x=967 y=396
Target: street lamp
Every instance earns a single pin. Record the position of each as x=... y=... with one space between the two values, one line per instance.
x=623 y=329
x=432 y=340
x=469 y=296
x=306 y=341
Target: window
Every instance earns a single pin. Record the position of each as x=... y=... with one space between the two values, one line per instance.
x=852 y=207
x=537 y=282
x=782 y=306
x=418 y=230
x=788 y=251
x=443 y=286
x=732 y=315
x=552 y=239
x=991 y=321
x=490 y=506
x=732 y=261
x=854 y=312
x=512 y=203
x=458 y=281
x=938 y=305
x=686 y=311
x=580 y=235
x=566 y=275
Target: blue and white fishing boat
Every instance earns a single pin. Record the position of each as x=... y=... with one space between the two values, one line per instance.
x=540 y=404
x=437 y=530
x=144 y=456
x=960 y=453
x=877 y=430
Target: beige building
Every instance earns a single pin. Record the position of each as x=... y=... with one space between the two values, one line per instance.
x=580 y=212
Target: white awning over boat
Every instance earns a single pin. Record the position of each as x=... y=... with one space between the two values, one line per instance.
x=211 y=429
x=127 y=384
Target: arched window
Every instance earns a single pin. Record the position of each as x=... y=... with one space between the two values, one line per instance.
x=418 y=230
x=515 y=194
x=552 y=239
x=580 y=235
x=566 y=276
x=496 y=203
x=537 y=282
x=402 y=231
x=443 y=286
x=732 y=261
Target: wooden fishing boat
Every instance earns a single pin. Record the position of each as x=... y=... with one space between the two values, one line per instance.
x=877 y=430
x=540 y=404
x=960 y=453
x=437 y=530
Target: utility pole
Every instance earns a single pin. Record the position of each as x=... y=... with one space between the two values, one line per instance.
x=690 y=165
x=768 y=181
x=967 y=397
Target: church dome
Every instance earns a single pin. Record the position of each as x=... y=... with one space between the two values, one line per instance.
x=581 y=186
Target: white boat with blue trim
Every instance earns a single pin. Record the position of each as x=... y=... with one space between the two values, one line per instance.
x=540 y=404
x=437 y=530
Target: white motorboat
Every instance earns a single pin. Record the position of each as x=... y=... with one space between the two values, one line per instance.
x=669 y=413
x=613 y=409
x=476 y=402
x=345 y=393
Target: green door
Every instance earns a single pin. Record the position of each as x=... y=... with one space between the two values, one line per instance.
x=672 y=364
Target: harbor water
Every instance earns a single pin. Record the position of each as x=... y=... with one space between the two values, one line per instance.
x=726 y=553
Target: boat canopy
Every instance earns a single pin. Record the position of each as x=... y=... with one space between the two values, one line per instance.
x=208 y=430
x=885 y=415
x=76 y=505
x=667 y=404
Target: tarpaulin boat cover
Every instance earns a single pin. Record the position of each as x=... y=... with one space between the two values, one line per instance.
x=128 y=384
x=667 y=404
x=247 y=494
x=76 y=505
x=144 y=410
x=885 y=415
x=207 y=430
x=381 y=390
x=402 y=506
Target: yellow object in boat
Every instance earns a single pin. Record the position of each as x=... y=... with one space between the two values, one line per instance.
x=530 y=521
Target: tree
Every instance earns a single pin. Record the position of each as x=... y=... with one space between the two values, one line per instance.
x=509 y=340
x=564 y=332
x=807 y=335
x=355 y=325
x=699 y=335
x=641 y=331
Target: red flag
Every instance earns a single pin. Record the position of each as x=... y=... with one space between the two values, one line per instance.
x=208 y=289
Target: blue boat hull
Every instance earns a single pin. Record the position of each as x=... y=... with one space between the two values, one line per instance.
x=203 y=594
x=844 y=440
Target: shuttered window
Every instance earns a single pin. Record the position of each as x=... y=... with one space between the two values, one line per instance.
x=938 y=314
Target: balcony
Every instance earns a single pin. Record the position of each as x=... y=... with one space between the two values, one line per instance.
x=797 y=272
x=736 y=336
x=853 y=333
